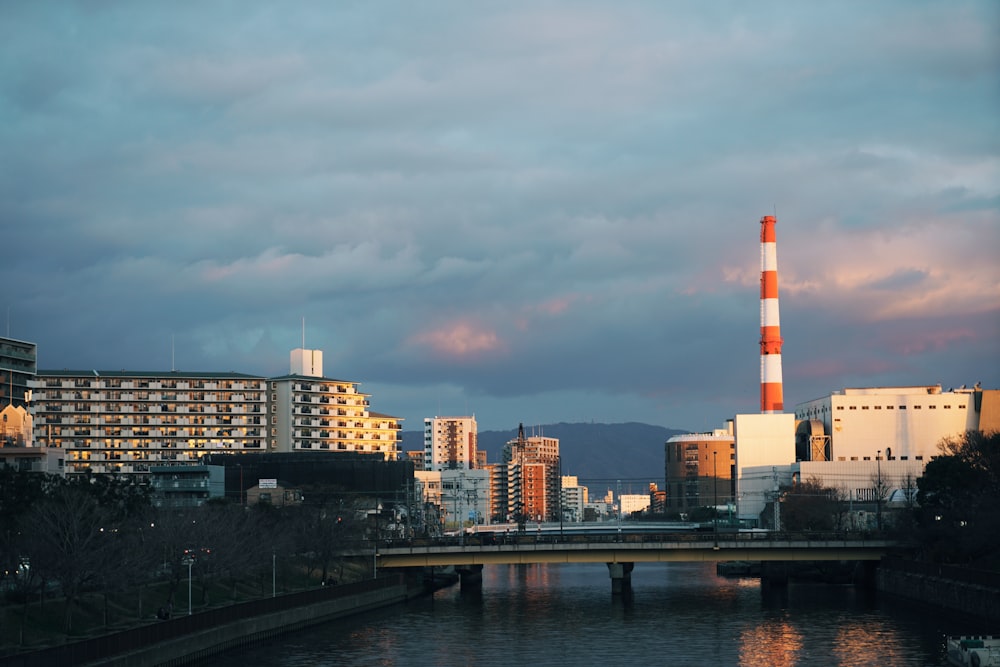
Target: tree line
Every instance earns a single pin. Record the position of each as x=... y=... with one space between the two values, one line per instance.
x=101 y=534
x=952 y=511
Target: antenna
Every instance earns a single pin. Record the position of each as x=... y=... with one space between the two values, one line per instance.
x=172 y=366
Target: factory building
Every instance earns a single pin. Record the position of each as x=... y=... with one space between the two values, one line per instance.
x=903 y=423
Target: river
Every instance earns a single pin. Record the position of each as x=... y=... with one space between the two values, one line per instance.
x=678 y=614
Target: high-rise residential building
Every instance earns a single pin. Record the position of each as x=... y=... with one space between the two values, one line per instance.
x=531 y=467
x=573 y=498
x=310 y=412
x=124 y=422
x=450 y=443
x=18 y=365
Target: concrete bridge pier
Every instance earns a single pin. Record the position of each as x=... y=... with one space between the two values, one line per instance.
x=621 y=578
x=774 y=574
x=470 y=577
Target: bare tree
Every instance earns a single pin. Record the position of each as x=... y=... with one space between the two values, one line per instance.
x=69 y=539
x=879 y=486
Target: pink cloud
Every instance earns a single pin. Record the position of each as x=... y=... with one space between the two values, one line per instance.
x=556 y=306
x=932 y=340
x=459 y=340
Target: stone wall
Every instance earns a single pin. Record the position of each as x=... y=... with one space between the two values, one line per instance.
x=958 y=589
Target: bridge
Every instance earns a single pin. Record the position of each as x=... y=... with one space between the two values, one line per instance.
x=620 y=551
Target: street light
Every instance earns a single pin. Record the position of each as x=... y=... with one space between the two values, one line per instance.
x=189 y=561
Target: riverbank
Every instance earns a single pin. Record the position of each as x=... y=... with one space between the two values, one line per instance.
x=184 y=639
x=972 y=592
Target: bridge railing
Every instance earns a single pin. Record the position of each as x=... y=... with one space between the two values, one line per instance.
x=497 y=539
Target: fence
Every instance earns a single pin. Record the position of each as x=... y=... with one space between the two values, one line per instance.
x=119 y=643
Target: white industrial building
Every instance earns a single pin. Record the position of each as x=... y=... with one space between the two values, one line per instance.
x=855 y=440
x=904 y=423
x=762 y=441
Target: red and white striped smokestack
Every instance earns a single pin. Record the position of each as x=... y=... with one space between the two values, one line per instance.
x=771 y=401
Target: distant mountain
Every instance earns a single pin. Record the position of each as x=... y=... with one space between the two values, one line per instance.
x=599 y=454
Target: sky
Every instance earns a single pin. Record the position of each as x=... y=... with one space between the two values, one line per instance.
x=531 y=212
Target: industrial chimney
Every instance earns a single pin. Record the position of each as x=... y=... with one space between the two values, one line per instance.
x=771 y=401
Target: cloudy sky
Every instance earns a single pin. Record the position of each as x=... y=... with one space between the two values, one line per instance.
x=528 y=211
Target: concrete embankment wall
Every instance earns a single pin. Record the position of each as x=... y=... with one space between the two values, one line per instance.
x=249 y=631
x=971 y=592
x=186 y=638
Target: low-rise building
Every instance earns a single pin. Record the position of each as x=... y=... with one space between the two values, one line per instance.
x=180 y=487
x=700 y=469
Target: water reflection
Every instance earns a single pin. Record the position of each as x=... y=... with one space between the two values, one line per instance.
x=776 y=643
x=680 y=614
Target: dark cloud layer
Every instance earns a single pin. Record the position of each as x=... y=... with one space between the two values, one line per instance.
x=531 y=212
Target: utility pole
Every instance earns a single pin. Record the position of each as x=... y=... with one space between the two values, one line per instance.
x=619 y=512
x=777 y=504
x=878 y=491
x=715 y=499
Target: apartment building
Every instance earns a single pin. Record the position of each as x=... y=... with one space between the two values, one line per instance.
x=450 y=443
x=18 y=364
x=125 y=422
x=308 y=413
x=529 y=476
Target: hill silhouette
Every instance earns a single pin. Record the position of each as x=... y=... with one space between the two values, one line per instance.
x=599 y=454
